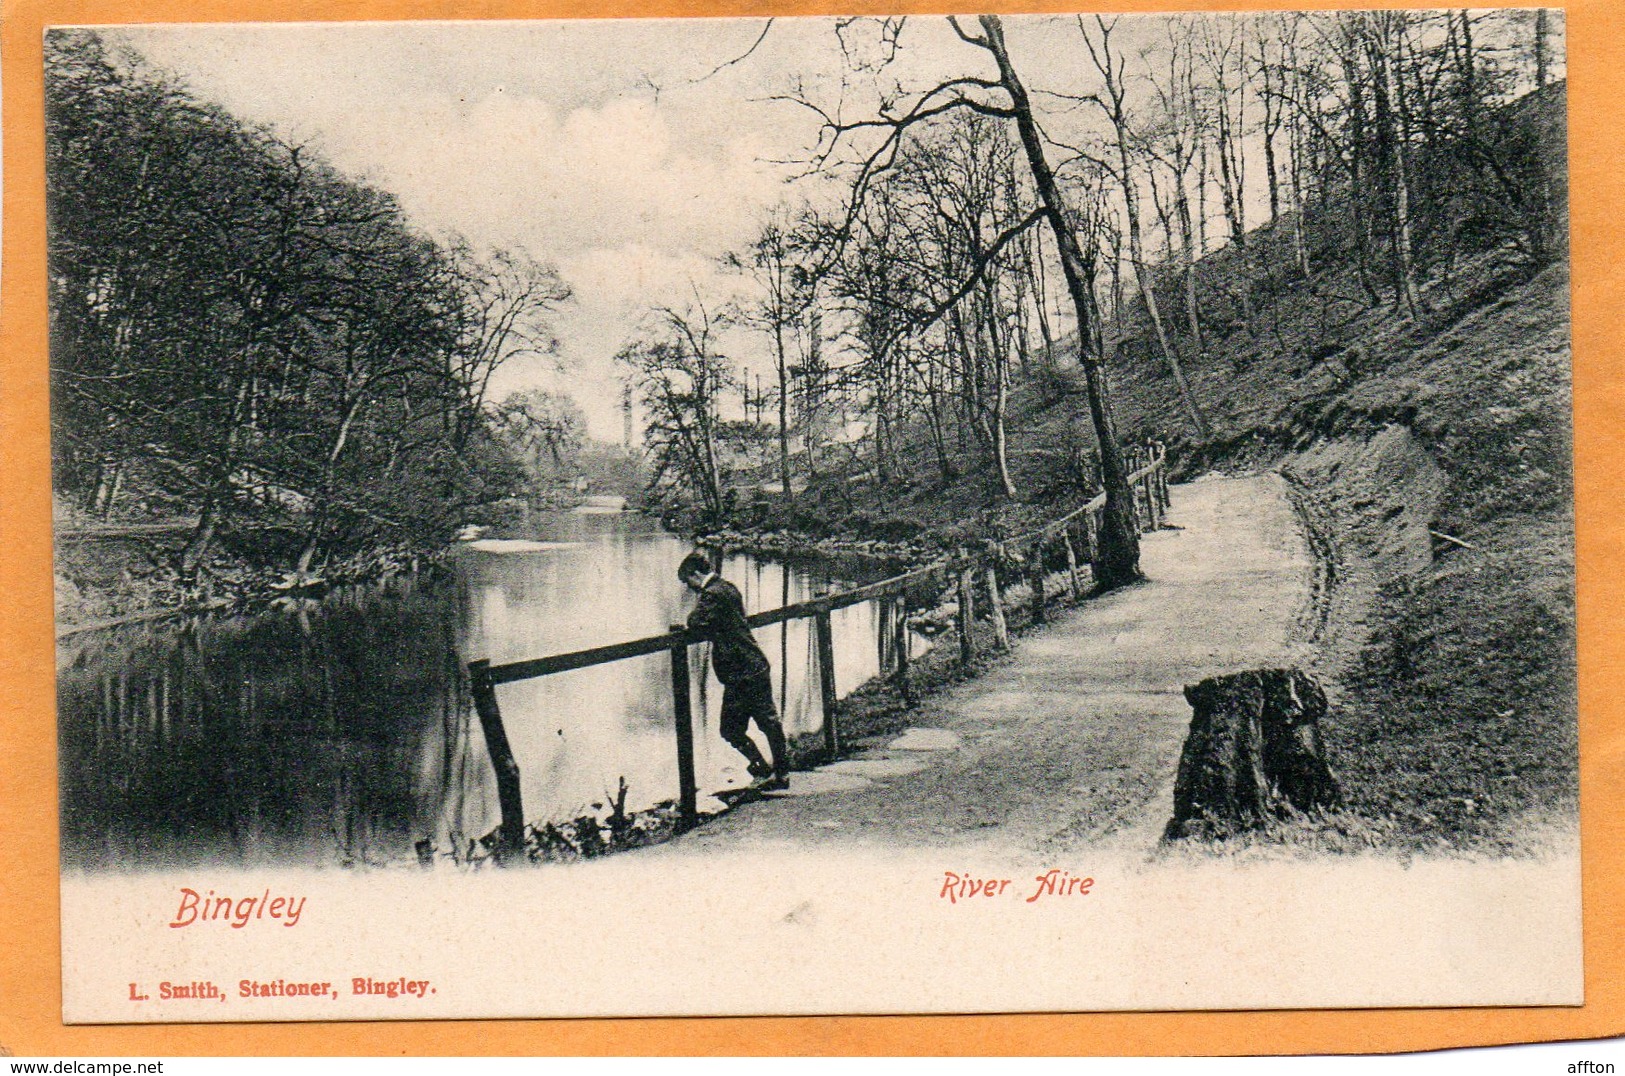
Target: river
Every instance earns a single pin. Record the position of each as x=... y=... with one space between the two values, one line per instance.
x=341 y=733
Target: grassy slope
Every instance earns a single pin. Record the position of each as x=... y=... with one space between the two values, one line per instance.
x=1459 y=716
x=1453 y=667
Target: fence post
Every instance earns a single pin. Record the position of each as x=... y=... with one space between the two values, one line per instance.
x=1142 y=506
x=1154 y=486
x=1072 y=564
x=900 y=645
x=1143 y=487
x=683 y=712
x=1036 y=572
x=1091 y=534
x=995 y=600
x=826 y=682
x=967 y=611
x=512 y=839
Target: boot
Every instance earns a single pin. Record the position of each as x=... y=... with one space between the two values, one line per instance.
x=755 y=764
x=774 y=731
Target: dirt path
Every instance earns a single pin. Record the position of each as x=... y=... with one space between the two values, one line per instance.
x=1075 y=738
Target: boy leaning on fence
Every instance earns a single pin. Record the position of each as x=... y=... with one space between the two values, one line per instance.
x=747 y=686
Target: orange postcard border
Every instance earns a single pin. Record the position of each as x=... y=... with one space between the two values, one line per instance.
x=30 y=961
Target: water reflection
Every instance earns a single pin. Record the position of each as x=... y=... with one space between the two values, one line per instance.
x=259 y=740
x=343 y=733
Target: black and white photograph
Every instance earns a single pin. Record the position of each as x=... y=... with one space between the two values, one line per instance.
x=813 y=515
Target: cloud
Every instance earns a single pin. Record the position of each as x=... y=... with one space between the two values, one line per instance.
x=546 y=136
x=634 y=277
x=505 y=171
x=617 y=291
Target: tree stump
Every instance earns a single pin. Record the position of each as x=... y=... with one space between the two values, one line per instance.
x=1253 y=752
x=1294 y=755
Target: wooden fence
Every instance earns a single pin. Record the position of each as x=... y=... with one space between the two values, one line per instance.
x=1075 y=534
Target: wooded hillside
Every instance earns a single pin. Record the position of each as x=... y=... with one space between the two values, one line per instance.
x=249 y=342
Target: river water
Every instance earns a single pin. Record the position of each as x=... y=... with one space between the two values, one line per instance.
x=341 y=732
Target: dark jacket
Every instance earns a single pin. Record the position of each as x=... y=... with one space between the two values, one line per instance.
x=719 y=618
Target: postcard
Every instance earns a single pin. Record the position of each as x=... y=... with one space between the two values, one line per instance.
x=822 y=515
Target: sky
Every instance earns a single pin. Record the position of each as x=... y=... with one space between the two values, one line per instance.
x=614 y=150
x=631 y=154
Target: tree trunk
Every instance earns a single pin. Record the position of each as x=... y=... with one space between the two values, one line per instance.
x=710 y=475
x=784 y=412
x=1119 y=538
x=1035 y=267
x=1201 y=196
x=197 y=546
x=324 y=493
x=109 y=478
x=1231 y=180
x=1188 y=242
x=1404 y=256
x=1274 y=179
x=812 y=390
x=1542 y=54
x=1142 y=277
x=883 y=415
x=1468 y=71
x=1001 y=394
x=1378 y=40
x=1300 y=201
x=1253 y=752
x=1357 y=173
x=1271 y=126
x=939 y=439
x=1232 y=190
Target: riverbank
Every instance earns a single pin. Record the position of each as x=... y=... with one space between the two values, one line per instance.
x=911 y=517
x=940 y=522
x=109 y=573
x=115 y=575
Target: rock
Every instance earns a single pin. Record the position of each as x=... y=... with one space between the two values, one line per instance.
x=1253 y=752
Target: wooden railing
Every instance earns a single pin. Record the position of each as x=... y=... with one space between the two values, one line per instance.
x=1079 y=528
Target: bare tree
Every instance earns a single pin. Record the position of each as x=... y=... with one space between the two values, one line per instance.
x=545 y=428
x=682 y=378
x=1006 y=97
x=959 y=190
x=1175 y=146
x=507 y=302
x=778 y=264
x=1112 y=66
x=1384 y=34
